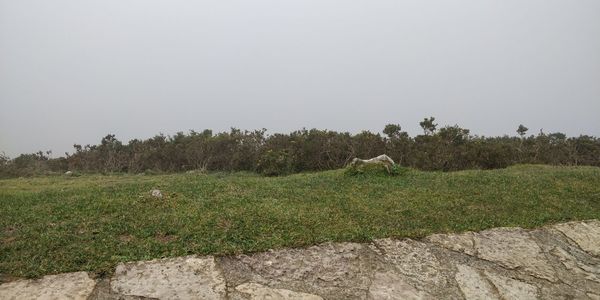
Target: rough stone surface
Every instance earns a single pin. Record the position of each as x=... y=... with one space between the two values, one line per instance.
x=419 y=264
x=456 y=242
x=187 y=277
x=333 y=271
x=381 y=159
x=474 y=285
x=575 y=268
x=512 y=248
x=586 y=234
x=593 y=296
x=553 y=262
x=258 y=292
x=76 y=285
x=156 y=194
x=509 y=288
x=392 y=286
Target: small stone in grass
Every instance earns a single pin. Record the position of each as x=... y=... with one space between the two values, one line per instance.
x=156 y=193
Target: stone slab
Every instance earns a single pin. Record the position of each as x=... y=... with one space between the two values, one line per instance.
x=333 y=271
x=73 y=286
x=392 y=286
x=258 y=292
x=419 y=265
x=473 y=285
x=512 y=248
x=586 y=234
x=189 y=277
x=509 y=288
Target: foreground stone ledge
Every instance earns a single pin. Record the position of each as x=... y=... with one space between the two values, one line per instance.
x=189 y=277
x=553 y=262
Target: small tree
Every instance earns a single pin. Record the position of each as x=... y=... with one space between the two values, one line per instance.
x=392 y=130
x=522 y=130
x=428 y=126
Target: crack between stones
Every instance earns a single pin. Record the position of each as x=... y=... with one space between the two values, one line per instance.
x=494 y=287
x=572 y=242
x=221 y=271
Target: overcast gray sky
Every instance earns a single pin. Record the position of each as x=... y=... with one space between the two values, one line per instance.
x=73 y=71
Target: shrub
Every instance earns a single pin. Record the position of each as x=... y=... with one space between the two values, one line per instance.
x=444 y=148
x=275 y=163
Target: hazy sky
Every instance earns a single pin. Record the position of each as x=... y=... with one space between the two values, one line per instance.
x=73 y=71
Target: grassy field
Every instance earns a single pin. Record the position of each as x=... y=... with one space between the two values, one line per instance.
x=60 y=224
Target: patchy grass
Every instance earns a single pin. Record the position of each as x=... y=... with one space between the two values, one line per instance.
x=61 y=224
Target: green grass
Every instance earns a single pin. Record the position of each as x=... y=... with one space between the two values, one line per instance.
x=61 y=224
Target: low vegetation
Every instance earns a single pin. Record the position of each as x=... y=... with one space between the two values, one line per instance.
x=58 y=224
x=448 y=148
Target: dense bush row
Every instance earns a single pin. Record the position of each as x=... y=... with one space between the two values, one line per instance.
x=448 y=148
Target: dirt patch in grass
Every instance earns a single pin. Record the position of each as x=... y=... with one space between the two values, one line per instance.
x=165 y=238
x=126 y=238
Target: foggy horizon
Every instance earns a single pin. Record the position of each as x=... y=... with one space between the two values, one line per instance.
x=73 y=72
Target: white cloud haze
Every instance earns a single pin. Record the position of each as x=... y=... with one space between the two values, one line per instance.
x=73 y=71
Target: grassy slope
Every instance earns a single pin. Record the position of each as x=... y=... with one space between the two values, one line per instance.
x=58 y=224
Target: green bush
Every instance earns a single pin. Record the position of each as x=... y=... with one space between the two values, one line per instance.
x=439 y=148
x=275 y=163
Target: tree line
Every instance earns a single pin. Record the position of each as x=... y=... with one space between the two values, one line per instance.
x=447 y=148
